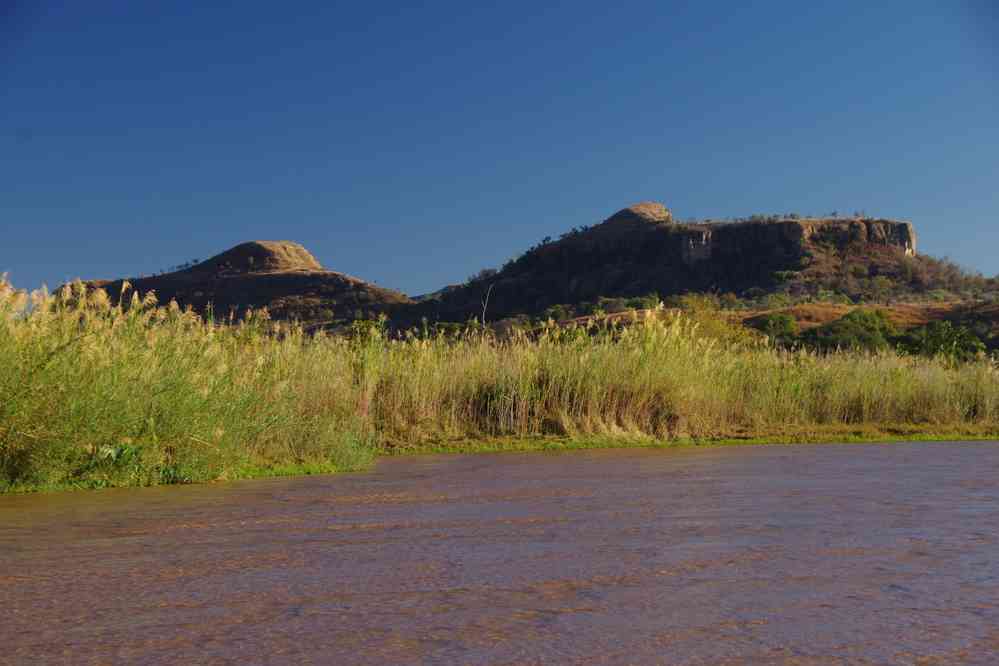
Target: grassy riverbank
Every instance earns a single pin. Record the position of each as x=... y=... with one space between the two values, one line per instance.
x=93 y=395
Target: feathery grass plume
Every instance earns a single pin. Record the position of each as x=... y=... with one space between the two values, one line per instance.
x=94 y=394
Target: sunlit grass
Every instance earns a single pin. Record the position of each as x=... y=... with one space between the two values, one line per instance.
x=94 y=394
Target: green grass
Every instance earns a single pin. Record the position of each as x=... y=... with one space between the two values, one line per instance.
x=96 y=395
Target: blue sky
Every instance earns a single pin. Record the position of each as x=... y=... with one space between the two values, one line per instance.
x=414 y=146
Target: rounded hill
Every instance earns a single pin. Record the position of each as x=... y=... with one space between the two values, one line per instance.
x=647 y=212
x=261 y=256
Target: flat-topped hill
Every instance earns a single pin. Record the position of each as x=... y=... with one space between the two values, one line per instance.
x=641 y=249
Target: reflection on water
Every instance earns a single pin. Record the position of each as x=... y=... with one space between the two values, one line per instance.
x=797 y=555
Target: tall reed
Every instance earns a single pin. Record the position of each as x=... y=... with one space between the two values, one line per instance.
x=98 y=394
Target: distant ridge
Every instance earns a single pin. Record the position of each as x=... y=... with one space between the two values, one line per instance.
x=640 y=251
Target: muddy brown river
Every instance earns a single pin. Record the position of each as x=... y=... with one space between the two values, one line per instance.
x=835 y=554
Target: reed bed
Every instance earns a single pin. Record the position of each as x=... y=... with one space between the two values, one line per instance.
x=96 y=394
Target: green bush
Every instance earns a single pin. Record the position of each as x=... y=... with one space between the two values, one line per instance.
x=558 y=313
x=648 y=302
x=782 y=329
x=941 y=338
x=859 y=330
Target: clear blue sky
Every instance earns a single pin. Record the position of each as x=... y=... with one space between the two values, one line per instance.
x=414 y=146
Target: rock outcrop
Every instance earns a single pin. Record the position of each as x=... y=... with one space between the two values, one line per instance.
x=260 y=256
x=646 y=212
x=704 y=242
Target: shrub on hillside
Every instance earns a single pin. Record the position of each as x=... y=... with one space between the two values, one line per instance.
x=941 y=338
x=648 y=302
x=712 y=322
x=859 y=330
x=558 y=313
x=781 y=328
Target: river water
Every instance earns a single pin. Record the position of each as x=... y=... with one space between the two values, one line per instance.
x=852 y=554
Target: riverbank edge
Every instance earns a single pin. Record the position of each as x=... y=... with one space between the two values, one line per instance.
x=562 y=443
x=568 y=444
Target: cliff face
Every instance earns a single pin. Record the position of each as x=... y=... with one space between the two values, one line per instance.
x=641 y=249
x=883 y=233
x=790 y=238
